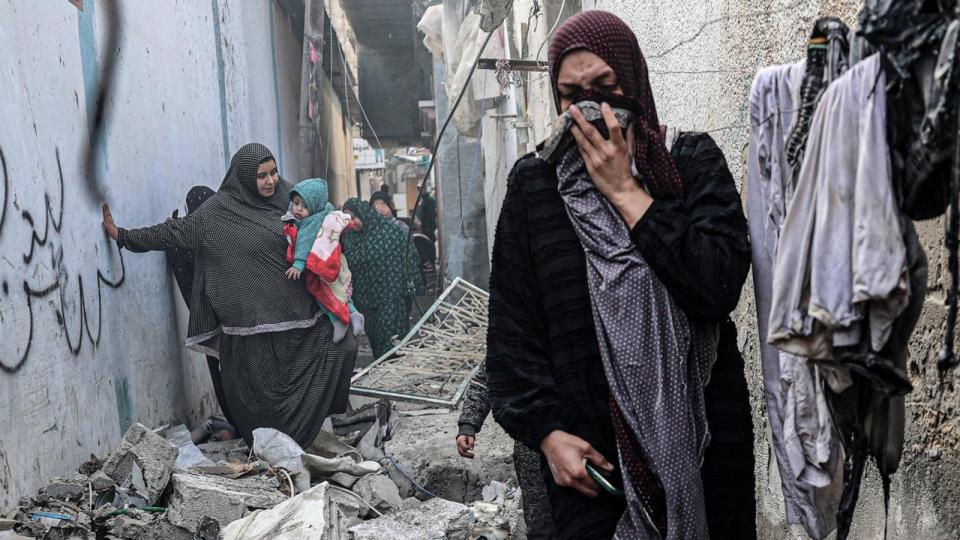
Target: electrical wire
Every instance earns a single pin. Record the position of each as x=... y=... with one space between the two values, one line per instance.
x=293 y=492
x=546 y=39
x=363 y=111
x=361 y=499
x=326 y=166
x=412 y=481
x=436 y=147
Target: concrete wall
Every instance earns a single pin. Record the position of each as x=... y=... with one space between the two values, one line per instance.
x=92 y=339
x=338 y=168
x=702 y=58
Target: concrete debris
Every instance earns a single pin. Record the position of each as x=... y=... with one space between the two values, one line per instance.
x=223 y=452
x=496 y=492
x=99 y=481
x=344 y=480
x=410 y=502
x=128 y=527
x=500 y=520
x=143 y=492
x=428 y=521
x=154 y=456
x=64 y=489
x=424 y=447
x=380 y=492
x=146 y=528
x=91 y=466
x=223 y=499
x=208 y=529
x=312 y=515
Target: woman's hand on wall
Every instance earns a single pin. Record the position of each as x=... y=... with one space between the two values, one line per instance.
x=608 y=162
x=108 y=225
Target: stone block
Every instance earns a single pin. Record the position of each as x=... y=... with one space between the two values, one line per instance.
x=380 y=492
x=129 y=528
x=312 y=515
x=151 y=453
x=64 y=490
x=226 y=451
x=101 y=482
x=428 y=521
x=225 y=500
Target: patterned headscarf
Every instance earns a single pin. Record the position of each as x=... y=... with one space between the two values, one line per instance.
x=240 y=182
x=182 y=261
x=608 y=37
x=197 y=196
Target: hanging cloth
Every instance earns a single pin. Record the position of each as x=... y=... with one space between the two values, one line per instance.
x=795 y=398
x=827 y=59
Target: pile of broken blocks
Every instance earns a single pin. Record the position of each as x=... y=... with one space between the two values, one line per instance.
x=158 y=484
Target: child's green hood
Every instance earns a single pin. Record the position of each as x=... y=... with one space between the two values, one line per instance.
x=314 y=193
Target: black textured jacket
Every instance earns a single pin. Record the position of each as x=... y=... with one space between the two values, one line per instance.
x=543 y=363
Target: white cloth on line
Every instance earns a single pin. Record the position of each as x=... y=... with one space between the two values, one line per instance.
x=842 y=260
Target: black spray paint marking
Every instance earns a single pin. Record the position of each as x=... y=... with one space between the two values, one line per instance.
x=54 y=220
x=6 y=191
x=49 y=220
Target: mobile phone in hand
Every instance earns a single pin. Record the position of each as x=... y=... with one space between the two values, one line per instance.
x=602 y=480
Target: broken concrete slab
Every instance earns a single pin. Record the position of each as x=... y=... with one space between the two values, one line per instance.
x=129 y=528
x=144 y=528
x=223 y=499
x=425 y=448
x=99 y=481
x=154 y=456
x=309 y=516
x=65 y=490
x=380 y=492
x=226 y=451
x=208 y=529
x=428 y=521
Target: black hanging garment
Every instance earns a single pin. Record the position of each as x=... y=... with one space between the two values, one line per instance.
x=919 y=41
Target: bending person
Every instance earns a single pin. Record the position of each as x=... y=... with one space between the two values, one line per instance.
x=279 y=365
x=182 y=263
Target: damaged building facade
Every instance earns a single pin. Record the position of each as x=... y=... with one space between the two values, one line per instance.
x=92 y=340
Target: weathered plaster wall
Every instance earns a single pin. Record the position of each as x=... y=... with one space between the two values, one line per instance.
x=702 y=57
x=89 y=340
x=337 y=167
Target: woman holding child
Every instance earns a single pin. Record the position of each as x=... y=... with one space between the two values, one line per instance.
x=280 y=366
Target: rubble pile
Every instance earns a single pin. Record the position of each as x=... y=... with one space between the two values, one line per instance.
x=372 y=473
